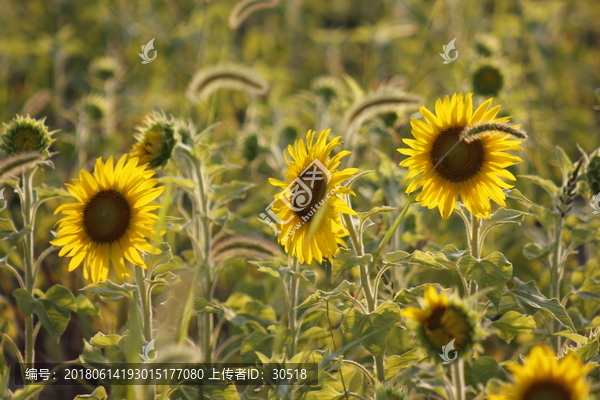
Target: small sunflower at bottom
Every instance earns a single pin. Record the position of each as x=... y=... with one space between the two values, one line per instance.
x=441 y=319
x=544 y=377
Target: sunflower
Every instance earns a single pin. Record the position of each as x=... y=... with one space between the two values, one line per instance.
x=25 y=134
x=155 y=140
x=543 y=377
x=475 y=164
x=308 y=208
x=112 y=220
x=441 y=319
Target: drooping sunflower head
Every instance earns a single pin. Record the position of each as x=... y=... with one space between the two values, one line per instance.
x=458 y=152
x=155 y=140
x=544 y=377
x=308 y=207
x=441 y=319
x=25 y=134
x=112 y=219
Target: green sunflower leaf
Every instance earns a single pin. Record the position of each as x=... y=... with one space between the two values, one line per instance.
x=52 y=316
x=25 y=301
x=485 y=368
x=347 y=259
x=372 y=329
x=98 y=394
x=326 y=393
x=86 y=307
x=62 y=297
x=493 y=271
x=110 y=292
x=6 y=227
x=101 y=341
x=394 y=364
x=340 y=292
x=257 y=341
x=504 y=216
x=589 y=290
x=410 y=296
x=154 y=260
x=531 y=300
x=545 y=184
x=230 y=191
x=512 y=323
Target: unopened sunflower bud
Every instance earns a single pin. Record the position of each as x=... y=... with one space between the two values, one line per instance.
x=487 y=80
x=25 y=134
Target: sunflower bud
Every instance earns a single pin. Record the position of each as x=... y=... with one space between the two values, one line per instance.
x=487 y=80
x=93 y=107
x=25 y=134
x=103 y=68
x=592 y=173
x=444 y=325
x=328 y=88
x=155 y=140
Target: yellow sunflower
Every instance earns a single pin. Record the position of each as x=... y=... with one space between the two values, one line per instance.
x=441 y=319
x=112 y=220
x=543 y=377
x=475 y=164
x=308 y=208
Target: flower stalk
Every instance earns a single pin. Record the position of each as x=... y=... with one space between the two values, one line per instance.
x=293 y=302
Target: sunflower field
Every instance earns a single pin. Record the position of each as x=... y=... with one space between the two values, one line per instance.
x=300 y=199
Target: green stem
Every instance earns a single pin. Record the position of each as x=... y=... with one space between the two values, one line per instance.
x=365 y=282
x=145 y=302
x=458 y=379
x=475 y=242
x=555 y=276
x=293 y=302
x=28 y=221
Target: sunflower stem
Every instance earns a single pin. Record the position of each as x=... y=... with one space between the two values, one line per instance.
x=293 y=302
x=28 y=221
x=145 y=302
x=555 y=276
x=475 y=239
x=365 y=283
x=458 y=379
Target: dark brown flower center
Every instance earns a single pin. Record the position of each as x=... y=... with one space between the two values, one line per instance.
x=308 y=192
x=106 y=216
x=548 y=390
x=462 y=160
